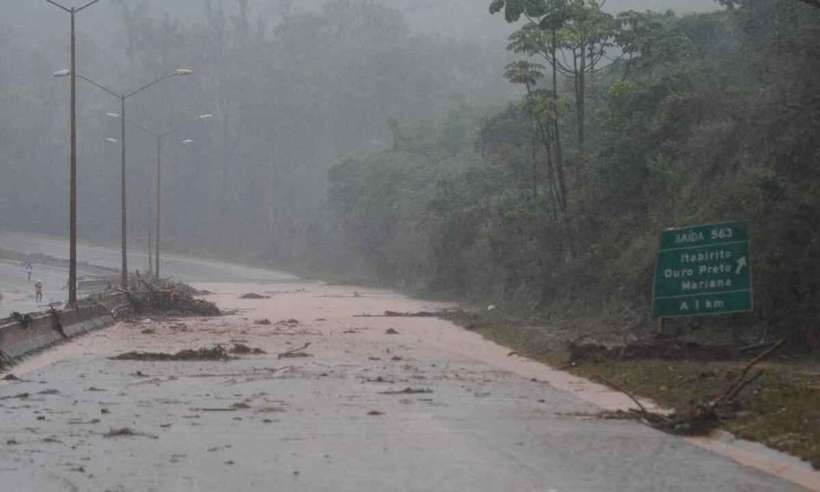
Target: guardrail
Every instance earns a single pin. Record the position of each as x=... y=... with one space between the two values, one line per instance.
x=37 y=331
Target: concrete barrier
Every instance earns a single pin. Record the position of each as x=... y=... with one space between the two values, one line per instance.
x=42 y=330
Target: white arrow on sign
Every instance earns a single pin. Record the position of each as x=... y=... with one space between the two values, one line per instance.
x=741 y=262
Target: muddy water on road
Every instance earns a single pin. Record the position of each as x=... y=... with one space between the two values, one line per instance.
x=352 y=361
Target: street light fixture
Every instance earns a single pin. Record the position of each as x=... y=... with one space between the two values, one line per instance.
x=179 y=72
x=72 y=194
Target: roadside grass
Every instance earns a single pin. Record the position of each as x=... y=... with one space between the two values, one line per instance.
x=780 y=410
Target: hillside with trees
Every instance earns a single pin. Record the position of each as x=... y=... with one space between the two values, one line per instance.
x=626 y=124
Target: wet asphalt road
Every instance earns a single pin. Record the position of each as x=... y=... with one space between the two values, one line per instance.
x=336 y=420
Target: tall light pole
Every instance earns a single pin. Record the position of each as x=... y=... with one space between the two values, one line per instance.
x=150 y=246
x=123 y=191
x=158 y=199
x=72 y=194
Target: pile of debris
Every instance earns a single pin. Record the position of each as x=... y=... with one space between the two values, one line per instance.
x=701 y=417
x=216 y=353
x=167 y=297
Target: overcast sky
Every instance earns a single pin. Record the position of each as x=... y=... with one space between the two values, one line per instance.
x=456 y=18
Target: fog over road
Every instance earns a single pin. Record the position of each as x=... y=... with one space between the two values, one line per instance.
x=337 y=420
x=18 y=294
x=182 y=268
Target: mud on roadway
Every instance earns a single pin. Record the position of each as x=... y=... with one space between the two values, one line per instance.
x=327 y=400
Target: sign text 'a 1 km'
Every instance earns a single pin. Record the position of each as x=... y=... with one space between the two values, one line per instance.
x=703 y=270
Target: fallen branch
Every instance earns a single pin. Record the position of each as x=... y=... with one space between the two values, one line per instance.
x=732 y=391
x=702 y=417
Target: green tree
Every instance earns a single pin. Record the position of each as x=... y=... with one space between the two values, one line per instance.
x=539 y=107
x=573 y=36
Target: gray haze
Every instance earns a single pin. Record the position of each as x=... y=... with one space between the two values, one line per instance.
x=293 y=85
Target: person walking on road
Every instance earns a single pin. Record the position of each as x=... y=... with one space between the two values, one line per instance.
x=38 y=292
x=28 y=268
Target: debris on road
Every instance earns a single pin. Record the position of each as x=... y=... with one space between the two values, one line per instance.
x=216 y=409
x=204 y=354
x=391 y=331
x=408 y=391
x=240 y=348
x=168 y=298
x=295 y=353
x=253 y=296
x=379 y=379
x=271 y=410
x=375 y=412
x=21 y=396
x=128 y=432
x=395 y=314
x=263 y=321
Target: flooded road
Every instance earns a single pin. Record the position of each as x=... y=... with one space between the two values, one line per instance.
x=372 y=403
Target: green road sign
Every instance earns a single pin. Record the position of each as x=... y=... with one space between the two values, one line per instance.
x=703 y=270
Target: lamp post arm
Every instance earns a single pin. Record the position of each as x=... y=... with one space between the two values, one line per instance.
x=52 y=2
x=92 y=2
x=99 y=86
x=150 y=84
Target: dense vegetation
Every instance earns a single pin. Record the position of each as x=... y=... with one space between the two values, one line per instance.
x=627 y=124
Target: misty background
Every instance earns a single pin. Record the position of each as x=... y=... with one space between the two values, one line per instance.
x=294 y=87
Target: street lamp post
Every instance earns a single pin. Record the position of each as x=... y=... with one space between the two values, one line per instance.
x=158 y=202
x=158 y=198
x=72 y=215
x=123 y=190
